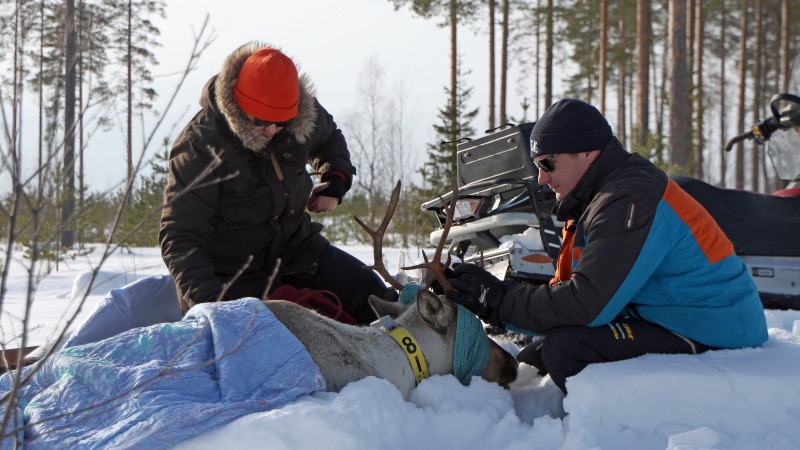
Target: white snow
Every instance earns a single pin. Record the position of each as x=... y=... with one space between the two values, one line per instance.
x=731 y=399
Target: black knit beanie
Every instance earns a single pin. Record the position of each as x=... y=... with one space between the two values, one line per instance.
x=569 y=126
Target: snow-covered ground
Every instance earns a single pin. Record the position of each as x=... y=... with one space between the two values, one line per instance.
x=733 y=399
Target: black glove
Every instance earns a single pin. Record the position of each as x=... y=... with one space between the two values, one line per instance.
x=478 y=290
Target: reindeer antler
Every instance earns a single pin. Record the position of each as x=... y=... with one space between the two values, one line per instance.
x=435 y=268
x=377 y=239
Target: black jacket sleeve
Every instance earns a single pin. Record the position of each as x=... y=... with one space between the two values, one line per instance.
x=186 y=223
x=329 y=153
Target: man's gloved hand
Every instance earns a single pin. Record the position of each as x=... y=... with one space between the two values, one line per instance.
x=477 y=290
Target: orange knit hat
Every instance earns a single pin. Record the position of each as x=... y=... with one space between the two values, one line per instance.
x=267 y=86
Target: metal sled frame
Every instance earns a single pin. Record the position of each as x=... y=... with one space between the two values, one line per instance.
x=498 y=169
x=478 y=241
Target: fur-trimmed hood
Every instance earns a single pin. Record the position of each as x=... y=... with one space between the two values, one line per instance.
x=301 y=129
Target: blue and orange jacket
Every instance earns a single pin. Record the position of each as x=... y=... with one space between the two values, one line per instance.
x=637 y=244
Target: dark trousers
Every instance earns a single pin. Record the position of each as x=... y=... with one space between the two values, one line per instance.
x=344 y=275
x=565 y=351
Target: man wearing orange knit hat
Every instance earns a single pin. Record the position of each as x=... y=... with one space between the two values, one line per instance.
x=238 y=190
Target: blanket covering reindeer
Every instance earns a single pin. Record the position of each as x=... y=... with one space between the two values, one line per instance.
x=154 y=387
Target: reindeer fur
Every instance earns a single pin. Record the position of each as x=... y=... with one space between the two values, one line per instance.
x=346 y=353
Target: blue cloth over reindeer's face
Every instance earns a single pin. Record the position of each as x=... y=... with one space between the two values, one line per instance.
x=471 y=349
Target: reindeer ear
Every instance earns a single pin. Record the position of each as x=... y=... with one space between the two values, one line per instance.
x=435 y=311
x=384 y=308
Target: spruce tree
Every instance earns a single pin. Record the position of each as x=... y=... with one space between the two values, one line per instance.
x=142 y=220
x=442 y=155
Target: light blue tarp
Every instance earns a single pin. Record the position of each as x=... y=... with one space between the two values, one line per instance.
x=156 y=386
x=144 y=302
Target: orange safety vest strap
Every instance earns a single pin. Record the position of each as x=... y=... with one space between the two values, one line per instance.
x=564 y=266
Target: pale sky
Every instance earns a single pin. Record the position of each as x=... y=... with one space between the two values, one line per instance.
x=332 y=41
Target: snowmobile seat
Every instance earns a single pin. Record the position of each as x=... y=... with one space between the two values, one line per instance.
x=757 y=224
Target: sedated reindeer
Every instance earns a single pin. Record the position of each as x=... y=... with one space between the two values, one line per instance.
x=346 y=353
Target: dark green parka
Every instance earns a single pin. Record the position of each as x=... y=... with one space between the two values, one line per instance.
x=227 y=208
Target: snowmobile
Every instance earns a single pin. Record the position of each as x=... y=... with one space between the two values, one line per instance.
x=765 y=229
x=503 y=217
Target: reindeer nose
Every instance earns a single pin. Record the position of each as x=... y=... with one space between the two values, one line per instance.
x=509 y=372
x=502 y=367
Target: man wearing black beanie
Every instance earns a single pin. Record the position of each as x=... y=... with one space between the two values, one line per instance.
x=643 y=267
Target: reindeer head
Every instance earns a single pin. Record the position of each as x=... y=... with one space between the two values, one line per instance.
x=455 y=341
x=448 y=344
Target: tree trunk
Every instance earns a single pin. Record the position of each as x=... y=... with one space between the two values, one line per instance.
x=81 y=184
x=786 y=57
x=755 y=155
x=538 y=45
x=723 y=172
x=68 y=202
x=548 y=68
x=16 y=174
x=603 y=54
x=739 y=174
x=643 y=70
x=130 y=98
x=678 y=88
x=699 y=111
x=40 y=165
x=491 y=64
x=621 y=134
x=690 y=8
x=661 y=100
x=453 y=69
x=504 y=65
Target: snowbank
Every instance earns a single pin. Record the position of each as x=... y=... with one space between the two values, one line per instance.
x=730 y=399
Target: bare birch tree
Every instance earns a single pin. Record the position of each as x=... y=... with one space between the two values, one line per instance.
x=380 y=137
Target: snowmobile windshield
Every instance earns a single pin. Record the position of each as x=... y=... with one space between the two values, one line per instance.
x=783 y=147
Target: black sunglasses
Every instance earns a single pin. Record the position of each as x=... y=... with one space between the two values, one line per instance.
x=265 y=123
x=546 y=163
